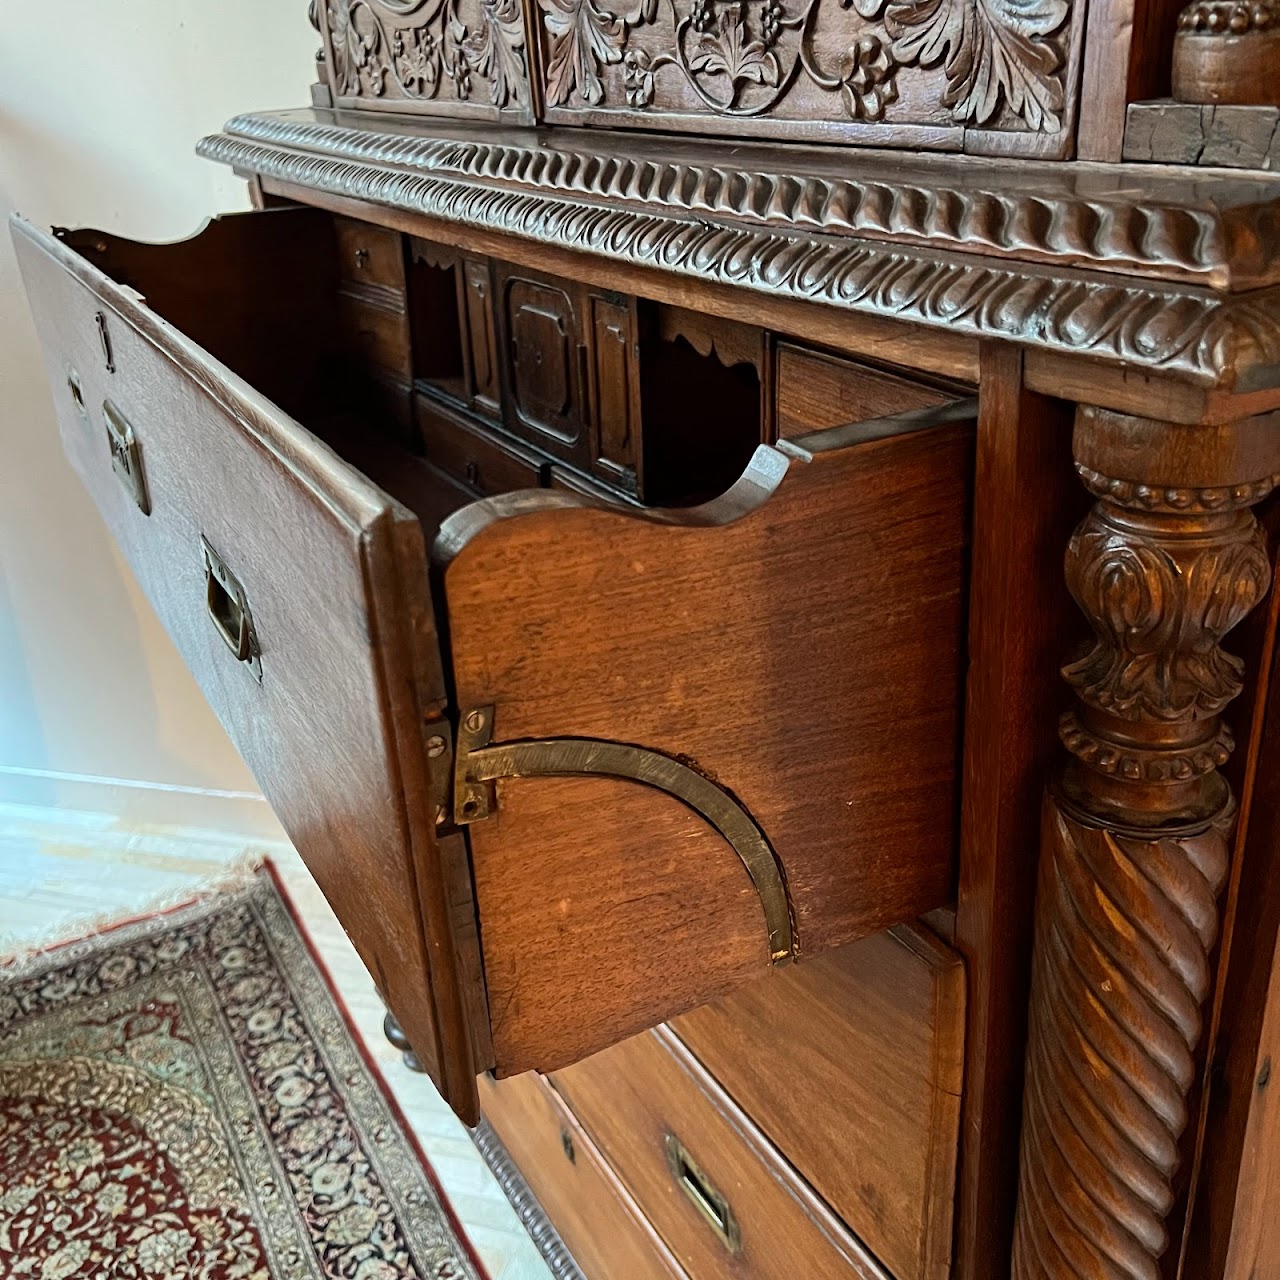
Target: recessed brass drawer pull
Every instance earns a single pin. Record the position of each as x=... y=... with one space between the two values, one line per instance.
x=126 y=458
x=702 y=1194
x=229 y=610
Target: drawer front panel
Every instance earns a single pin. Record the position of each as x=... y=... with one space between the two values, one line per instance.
x=272 y=564
x=593 y=1212
x=369 y=255
x=814 y=391
x=865 y=1099
x=378 y=335
x=717 y=1193
x=481 y=462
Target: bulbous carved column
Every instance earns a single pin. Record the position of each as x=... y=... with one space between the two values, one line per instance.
x=1134 y=836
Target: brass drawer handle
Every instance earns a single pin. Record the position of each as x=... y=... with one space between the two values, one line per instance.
x=702 y=1194
x=229 y=609
x=126 y=457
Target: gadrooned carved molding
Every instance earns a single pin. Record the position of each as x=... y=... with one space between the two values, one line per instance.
x=1134 y=765
x=533 y=1217
x=1059 y=227
x=1148 y=497
x=1190 y=332
x=1121 y=971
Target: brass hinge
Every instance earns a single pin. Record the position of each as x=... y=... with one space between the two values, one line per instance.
x=479 y=763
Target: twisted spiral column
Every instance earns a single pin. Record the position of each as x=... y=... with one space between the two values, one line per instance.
x=1134 y=845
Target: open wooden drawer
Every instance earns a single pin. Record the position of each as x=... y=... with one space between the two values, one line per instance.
x=592 y=767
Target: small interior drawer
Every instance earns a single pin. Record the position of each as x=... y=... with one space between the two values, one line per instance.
x=638 y=752
x=716 y=1191
x=369 y=255
x=594 y=1214
x=814 y=390
x=852 y=1067
x=482 y=462
x=378 y=334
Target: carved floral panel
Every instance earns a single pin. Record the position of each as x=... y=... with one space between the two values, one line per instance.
x=884 y=72
x=451 y=57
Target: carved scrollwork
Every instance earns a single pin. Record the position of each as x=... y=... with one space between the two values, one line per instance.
x=999 y=59
x=423 y=49
x=1160 y=604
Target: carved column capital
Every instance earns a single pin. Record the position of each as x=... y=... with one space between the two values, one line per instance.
x=1135 y=834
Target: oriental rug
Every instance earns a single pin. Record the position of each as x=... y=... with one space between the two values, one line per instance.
x=181 y=1097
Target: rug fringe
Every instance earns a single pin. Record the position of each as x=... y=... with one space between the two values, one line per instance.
x=19 y=955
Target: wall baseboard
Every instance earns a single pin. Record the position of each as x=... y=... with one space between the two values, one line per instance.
x=236 y=816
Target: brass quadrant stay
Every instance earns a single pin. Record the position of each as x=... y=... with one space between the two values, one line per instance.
x=479 y=764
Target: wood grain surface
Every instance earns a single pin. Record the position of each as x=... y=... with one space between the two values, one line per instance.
x=815 y=679
x=309 y=539
x=852 y=1066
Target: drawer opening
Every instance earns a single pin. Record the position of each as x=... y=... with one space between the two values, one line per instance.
x=435 y=305
x=700 y=403
x=762 y=641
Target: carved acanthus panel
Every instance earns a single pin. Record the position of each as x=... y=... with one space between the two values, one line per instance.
x=918 y=73
x=449 y=57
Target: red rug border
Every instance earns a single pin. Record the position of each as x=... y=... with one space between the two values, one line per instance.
x=268 y=865
x=451 y=1216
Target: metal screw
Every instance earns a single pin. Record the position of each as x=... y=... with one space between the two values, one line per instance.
x=475 y=721
x=435 y=746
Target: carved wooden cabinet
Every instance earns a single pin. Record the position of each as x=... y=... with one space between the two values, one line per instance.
x=615 y=489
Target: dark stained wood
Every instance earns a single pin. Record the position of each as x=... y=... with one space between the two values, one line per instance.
x=484 y=378
x=1224 y=54
x=1136 y=835
x=633 y=1097
x=1128 y=54
x=1222 y=1190
x=949 y=354
x=465 y=59
x=812 y=70
x=1017 y=616
x=660 y=630
x=309 y=539
x=475 y=458
x=852 y=1066
x=595 y=1215
x=1235 y=137
x=542 y=331
x=614 y=391
x=813 y=390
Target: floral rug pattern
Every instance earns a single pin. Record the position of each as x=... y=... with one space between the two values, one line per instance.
x=181 y=1099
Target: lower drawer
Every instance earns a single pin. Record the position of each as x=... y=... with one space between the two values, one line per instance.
x=716 y=1191
x=594 y=1215
x=852 y=1067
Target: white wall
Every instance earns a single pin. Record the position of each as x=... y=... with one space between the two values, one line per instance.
x=101 y=105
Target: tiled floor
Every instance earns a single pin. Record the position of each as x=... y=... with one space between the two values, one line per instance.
x=60 y=872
